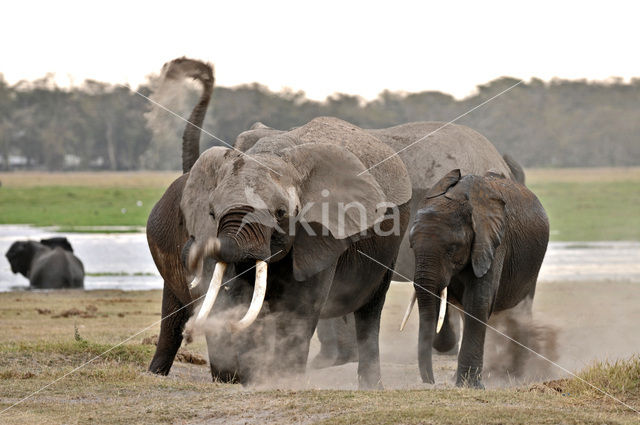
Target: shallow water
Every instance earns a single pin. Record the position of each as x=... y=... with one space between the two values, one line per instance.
x=122 y=261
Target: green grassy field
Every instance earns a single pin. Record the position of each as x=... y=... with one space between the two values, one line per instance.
x=47 y=335
x=582 y=204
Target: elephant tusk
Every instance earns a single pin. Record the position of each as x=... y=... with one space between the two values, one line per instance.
x=259 y=291
x=212 y=292
x=443 y=309
x=407 y=313
x=196 y=280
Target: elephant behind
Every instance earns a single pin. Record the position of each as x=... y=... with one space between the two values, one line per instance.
x=48 y=264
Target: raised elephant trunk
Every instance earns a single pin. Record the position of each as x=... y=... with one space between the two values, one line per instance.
x=202 y=72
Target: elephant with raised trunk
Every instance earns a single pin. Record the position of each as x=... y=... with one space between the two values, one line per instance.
x=479 y=242
x=282 y=206
x=166 y=231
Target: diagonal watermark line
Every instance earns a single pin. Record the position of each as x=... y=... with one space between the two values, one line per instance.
x=443 y=126
x=125 y=340
x=199 y=128
x=507 y=336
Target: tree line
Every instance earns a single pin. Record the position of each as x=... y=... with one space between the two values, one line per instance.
x=561 y=123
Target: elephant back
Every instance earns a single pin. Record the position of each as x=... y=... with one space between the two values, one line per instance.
x=379 y=159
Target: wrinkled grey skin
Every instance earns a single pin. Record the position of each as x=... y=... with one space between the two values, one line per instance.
x=483 y=238
x=446 y=148
x=48 y=264
x=325 y=162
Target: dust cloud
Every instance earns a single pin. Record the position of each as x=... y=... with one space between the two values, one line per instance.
x=571 y=324
x=173 y=91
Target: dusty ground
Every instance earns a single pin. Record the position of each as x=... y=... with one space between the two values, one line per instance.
x=593 y=319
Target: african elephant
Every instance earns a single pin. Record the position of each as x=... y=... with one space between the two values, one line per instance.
x=325 y=206
x=166 y=232
x=48 y=264
x=480 y=241
x=229 y=209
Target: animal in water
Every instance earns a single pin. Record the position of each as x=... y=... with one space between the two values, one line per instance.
x=48 y=264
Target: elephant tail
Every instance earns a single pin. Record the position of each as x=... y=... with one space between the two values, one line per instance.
x=516 y=169
x=179 y=69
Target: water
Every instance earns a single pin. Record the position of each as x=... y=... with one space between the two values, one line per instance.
x=126 y=260
x=122 y=255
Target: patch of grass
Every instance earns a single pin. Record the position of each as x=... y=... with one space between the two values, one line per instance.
x=620 y=378
x=583 y=204
x=37 y=349
x=591 y=211
x=82 y=349
x=76 y=205
x=100 y=229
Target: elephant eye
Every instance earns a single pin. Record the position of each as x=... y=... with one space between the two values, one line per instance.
x=280 y=213
x=212 y=214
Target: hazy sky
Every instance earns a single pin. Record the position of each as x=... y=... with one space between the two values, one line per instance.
x=352 y=47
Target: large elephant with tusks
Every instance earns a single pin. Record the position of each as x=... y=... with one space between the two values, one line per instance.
x=304 y=225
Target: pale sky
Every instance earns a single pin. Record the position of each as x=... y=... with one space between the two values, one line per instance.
x=356 y=47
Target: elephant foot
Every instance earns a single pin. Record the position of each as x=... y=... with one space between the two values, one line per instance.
x=225 y=377
x=427 y=375
x=160 y=367
x=370 y=384
x=469 y=377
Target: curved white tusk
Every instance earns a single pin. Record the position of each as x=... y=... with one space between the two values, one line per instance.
x=443 y=309
x=259 y=291
x=212 y=292
x=407 y=313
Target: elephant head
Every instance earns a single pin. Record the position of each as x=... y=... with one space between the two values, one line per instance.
x=457 y=230
x=20 y=255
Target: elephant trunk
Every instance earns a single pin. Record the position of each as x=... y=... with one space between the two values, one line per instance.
x=243 y=237
x=202 y=72
x=427 y=286
x=238 y=240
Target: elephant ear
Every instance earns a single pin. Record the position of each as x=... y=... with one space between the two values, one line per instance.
x=198 y=188
x=488 y=219
x=441 y=187
x=339 y=203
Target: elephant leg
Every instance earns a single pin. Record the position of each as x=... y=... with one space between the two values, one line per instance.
x=347 y=341
x=222 y=361
x=171 y=327
x=338 y=342
x=296 y=313
x=328 y=337
x=476 y=302
x=367 y=320
x=446 y=341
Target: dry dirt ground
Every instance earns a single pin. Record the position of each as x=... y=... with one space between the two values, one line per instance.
x=46 y=335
